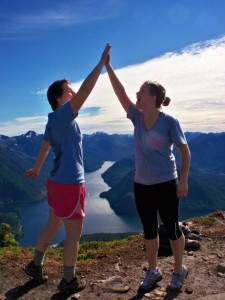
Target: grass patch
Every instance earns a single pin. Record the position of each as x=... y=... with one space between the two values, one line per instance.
x=96 y=250
x=204 y=220
x=88 y=251
x=209 y=219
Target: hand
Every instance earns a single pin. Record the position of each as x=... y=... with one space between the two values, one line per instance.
x=105 y=54
x=107 y=61
x=32 y=173
x=182 y=189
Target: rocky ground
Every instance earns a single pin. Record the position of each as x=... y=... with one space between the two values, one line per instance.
x=118 y=276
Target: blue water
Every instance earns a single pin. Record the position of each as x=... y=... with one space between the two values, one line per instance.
x=99 y=216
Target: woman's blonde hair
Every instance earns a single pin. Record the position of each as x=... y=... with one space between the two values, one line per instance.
x=156 y=89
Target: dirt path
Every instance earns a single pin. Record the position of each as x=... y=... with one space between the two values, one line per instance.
x=118 y=276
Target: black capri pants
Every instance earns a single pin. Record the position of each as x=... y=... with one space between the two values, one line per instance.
x=161 y=199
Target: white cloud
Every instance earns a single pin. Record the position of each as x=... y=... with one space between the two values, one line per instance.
x=42 y=92
x=17 y=26
x=193 y=78
x=22 y=125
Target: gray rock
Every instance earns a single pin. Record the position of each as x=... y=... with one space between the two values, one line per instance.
x=221 y=268
x=114 y=284
x=214 y=297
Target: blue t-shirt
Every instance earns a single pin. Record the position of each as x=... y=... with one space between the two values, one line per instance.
x=154 y=159
x=63 y=134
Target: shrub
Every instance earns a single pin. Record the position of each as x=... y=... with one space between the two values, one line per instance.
x=7 y=239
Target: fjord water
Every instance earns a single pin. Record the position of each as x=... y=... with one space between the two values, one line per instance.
x=99 y=216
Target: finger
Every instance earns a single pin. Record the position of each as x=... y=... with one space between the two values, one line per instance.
x=182 y=194
x=30 y=174
x=27 y=173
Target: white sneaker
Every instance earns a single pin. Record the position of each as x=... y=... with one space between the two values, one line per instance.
x=151 y=278
x=178 y=279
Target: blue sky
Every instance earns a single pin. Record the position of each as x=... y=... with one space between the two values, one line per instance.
x=179 y=43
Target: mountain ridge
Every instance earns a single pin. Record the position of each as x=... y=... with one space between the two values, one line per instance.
x=207 y=173
x=18 y=153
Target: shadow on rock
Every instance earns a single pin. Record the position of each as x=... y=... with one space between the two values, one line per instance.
x=167 y=295
x=21 y=290
x=170 y=295
x=61 y=296
x=141 y=294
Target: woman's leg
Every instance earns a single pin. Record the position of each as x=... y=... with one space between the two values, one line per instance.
x=146 y=204
x=35 y=267
x=152 y=247
x=177 y=247
x=48 y=232
x=147 y=210
x=70 y=282
x=71 y=245
x=169 y=213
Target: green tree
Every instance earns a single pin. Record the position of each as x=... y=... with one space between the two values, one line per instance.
x=7 y=239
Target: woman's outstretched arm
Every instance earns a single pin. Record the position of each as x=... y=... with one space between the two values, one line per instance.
x=118 y=87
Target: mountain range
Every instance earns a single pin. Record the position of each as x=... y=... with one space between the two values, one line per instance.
x=18 y=154
x=207 y=173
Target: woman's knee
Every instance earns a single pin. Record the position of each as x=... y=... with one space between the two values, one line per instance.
x=174 y=232
x=73 y=229
x=150 y=232
x=54 y=224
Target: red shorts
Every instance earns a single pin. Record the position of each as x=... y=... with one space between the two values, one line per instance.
x=67 y=200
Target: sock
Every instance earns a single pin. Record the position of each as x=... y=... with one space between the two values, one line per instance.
x=38 y=258
x=69 y=273
x=154 y=270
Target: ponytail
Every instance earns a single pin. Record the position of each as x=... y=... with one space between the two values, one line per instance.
x=166 y=101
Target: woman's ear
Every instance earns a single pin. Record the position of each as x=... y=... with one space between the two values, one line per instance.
x=58 y=100
x=153 y=97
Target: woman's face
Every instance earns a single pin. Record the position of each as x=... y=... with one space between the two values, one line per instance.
x=67 y=94
x=143 y=96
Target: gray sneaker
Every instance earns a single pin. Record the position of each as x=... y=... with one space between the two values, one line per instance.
x=74 y=286
x=151 y=278
x=178 y=279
